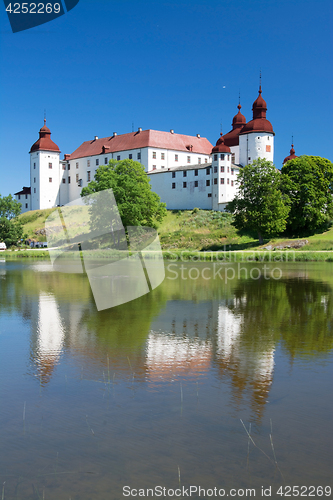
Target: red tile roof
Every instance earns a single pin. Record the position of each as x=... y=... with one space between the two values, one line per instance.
x=143 y=139
x=44 y=142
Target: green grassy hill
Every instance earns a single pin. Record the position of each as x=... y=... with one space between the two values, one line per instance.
x=192 y=230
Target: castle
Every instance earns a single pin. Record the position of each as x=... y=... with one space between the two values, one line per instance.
x=185 y=171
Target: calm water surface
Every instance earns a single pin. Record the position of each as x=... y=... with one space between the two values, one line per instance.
x=165 y=390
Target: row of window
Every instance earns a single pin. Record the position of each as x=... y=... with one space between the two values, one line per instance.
x=196 y=183
x=224 y=156
x=196 y=171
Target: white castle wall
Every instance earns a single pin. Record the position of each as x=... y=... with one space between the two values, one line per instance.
x=255 y=145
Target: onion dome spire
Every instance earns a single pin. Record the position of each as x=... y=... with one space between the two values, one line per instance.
x=259 y=122
x=44 y=142
x=238 y=122
x=220 y=146
x=292 y=155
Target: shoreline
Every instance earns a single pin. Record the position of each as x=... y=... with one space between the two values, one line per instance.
x=208 y=256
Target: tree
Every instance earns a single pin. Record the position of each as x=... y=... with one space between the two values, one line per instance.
x=9 y=208
x=10 y=231
x=137 y=204
x=259 y=204
x=308 y=182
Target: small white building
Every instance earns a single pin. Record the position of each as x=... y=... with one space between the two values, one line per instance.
x=185 y=171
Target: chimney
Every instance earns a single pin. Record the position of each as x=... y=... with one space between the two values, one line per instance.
x=95 y=139
x=172 y=131
x=198 y=136
x=66 y=157
x=139 y=130
x=114 y=134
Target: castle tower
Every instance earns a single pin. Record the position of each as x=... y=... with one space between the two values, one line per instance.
x=224 y=175
x=45 y=171
x=256 y=139
x=291 y=156
x=231 y=139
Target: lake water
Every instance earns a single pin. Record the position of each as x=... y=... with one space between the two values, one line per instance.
x=212 y=380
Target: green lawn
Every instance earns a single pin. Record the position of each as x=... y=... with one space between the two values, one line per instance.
x=191 y=230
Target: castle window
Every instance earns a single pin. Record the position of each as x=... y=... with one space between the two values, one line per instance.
x=196 y=183
x=77 y=164
x=188 y=159
x=106 y=160
x=215 y=180
x=77 y=177
x=268 y=148
x=138 y=156
x=228 y=180
x=209 y=195
x=176 y=157
x=222 y=156
x=19 y=196
x=162 y=156
x=215 y=170
x=64 y=181
x=222 y=169
x=97 y=162
x=205 y=160
x=154 y=155
x=26 y=196
x=34 y=165
x=222 y=180
x=208 y=182
x=184 y=184
x=196 y=173
x=88 y=176
x=88 y=163
x=215 y=157
x=154 y=167
x=130 y=156
x=34 y=190
x=34 y=179
x=118 y=157
x=163 y=166
x=64 y=167
x=173 y=175
x=69 y=180
x=26 y=205
x=50 y=165
x=207 y=171
x=173 y=185
x=199 y=161
x=233 y=157
x=232 y=171
x=228 y=170
x=50 y=179
x=232 y=183
x=249 y=158
x=68 y=167
x=184 y=173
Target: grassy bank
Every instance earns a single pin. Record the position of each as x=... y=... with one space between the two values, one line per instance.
x=189 y=233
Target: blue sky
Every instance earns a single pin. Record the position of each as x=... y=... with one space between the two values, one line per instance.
x=106 y=66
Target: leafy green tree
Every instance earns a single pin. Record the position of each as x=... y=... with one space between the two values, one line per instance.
x=259 y=204
x=308 y=182
x=9 y=207
x=10 y=231
x=137 y=204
